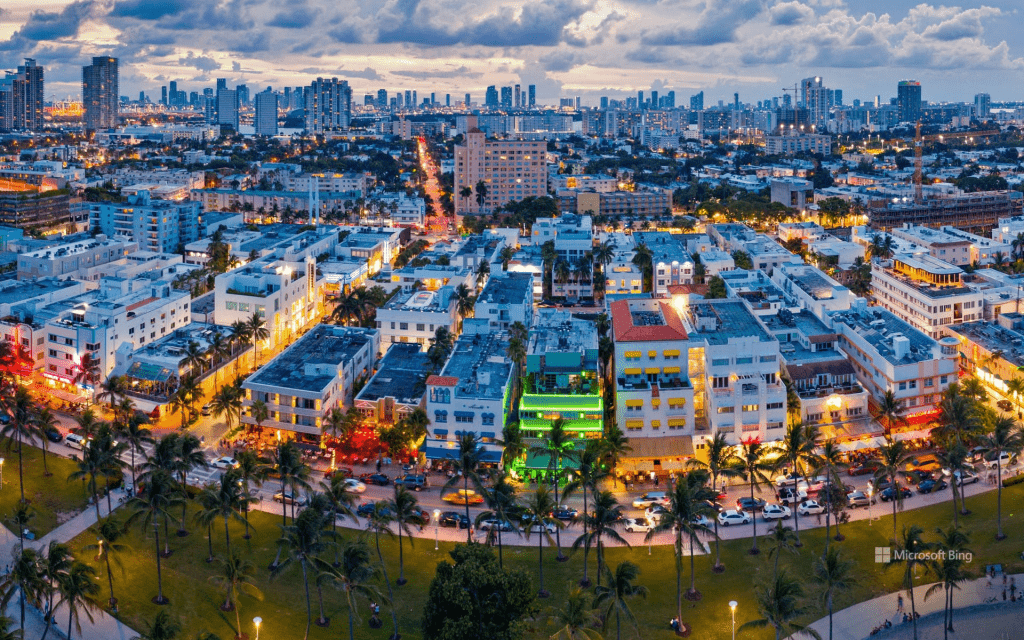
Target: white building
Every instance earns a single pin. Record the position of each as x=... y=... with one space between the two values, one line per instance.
x=69 y=260
x=926 y=292
x=813 y=289
x=414 y=316
x=155 y=225
x=506 y=299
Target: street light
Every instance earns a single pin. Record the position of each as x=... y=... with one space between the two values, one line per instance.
x=871 y=493
x=732 y=608
x=437 y=520
x=257 y=621
x=1 y=473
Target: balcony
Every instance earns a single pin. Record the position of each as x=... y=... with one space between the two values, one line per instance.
x=240 y=292
x=822 y=392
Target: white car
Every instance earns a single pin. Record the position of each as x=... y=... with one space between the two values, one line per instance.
x=654 y=513
x=650 y=498
x=638 y=525
x=776 y=512
x=810 y=508
x=787 y=480
x=354 y=486
x=733 y=516
x=538 y=528
x=1005 y=459
x=225 y=462
x=966 y=478
x=701 y=521
x=494 y=523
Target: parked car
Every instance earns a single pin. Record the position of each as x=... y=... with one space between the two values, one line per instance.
x=929 y=485
x=890 y=493
x=650 y=498
x=786 y=480
x=787 y=496
x=498 y=525
x=53 y=434
x=287 y=497
x=926 y=462
x=375 y=478
x=776 y=512
x=750 y=504
x=714 y=506
x=654 y=512
x=810 y=508
x=365 y=509
x=225 y=462
x=701 y=521
x=346 y=472
x=207 y=409
x=965 y=478
x=1005 y=459
x=856 y=499
x=864 y=469
x=1005 y=405
x=529 y=525
x=732 y=516
x=75 y=440
x=454 y=519
x=413 y=481
x=463 y=496
x=354 y=486
x=565 y=513
x=638 y=525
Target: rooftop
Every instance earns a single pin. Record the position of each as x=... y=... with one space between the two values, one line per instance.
x=312 y=363
x=481 y=365
x=665 y=247
x=993 y=337
x=646 y=320
x=879 y=326
x=558 y=331
x=401 y=374
x=17 y=291
x=718 y=321
x=508 y=288
x=427 y=301
x=74 y=248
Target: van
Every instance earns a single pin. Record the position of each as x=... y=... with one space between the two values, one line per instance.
x=75 y=440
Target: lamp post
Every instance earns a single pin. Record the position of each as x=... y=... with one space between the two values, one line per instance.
x=732 y=608
x=257 y=621
x=871 y=493
x=1 y=473
x=437 y=520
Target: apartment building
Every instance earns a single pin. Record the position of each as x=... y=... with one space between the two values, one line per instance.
x=155 y=225
x=506 y=299
x=642 y=203
x=70 y=259
x=18 y=304
x=397 y=388
x=309 y=378
x=509 y=169
x=813 y=289
x=414 y=317
x=672 y=263
x=354 y=182
x=573 y=238
x=890 y=354
x=926 y=292
x=939 y=244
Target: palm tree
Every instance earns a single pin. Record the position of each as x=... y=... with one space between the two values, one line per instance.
x=152 y=503
x=88 y=423
x=782 y=539
x=93 y=463
x=537 y=518
x=615 y=445
x=26 y=579
x=506 y=254
x=890 y=412
x=257 y=331
x=163 y=627
x=188 y=456
x=797 y=449
x=106 y=545
x=405 y=511
x=481 y=194
x=950 y=569
x=44 y=423
x=829 y=459
x=111 y=388
x=754 y=468
x=134 y=436
x=955 y=458
x=239 y=334
x=252 y=470
x=586 y=480
x=500 y=499
x=779 y=602
x=832 y=575
x=892 y=460
x=910 y=551
x=194 y=358
x=379 y=521
x=576 y=618
x=721 y=463
x=616 y=596
x=294 y=474
x=333 y=489
x=1005 y=436
x=957 y=417
x=227 y=499
x=467 y=465
x=54 y=567
x=352 y=576
x=687 y=516
x=20 y=428
x=558 y=446
x=219 y=348
x=235 y=576
x=227 y=403
x=77 y=589
x=303 y=539
x=6 y=633
x=601 y=523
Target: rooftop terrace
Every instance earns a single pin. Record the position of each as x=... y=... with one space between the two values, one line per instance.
x=312 y=363
x=401 y=374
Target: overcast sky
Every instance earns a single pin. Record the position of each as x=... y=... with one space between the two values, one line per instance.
x=588 y=48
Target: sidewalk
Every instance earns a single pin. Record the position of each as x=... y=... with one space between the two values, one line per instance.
x=857 y=622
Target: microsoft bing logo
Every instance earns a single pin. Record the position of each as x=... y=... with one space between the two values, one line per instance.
x=883 y=555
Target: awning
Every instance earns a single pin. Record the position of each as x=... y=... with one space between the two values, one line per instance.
x=443 y=453
x=655 y=423
x=652 y=354
x=634 y=403
x=677 y=402
x=440 y=432
x=542 y=460
x=922 y=434
x=671 y=369
x=677 y=422
x=634 y=424
x=632 y=354
x=652 y=370
x=671 y=352
x=661 y=447
x=632 y=371
x=487 y=434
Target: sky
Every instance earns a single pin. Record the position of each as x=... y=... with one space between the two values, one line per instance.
x=587 y=48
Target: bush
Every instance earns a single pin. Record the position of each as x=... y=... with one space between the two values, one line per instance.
x=1012 y=480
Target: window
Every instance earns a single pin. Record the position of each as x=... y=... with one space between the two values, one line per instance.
x=767 y=358
x=913 y=384
x=726 y=409
x=751 y=407
x=53 y=353
x=719 y=382
x=403 y=326
x=720 y=362
x=421 y=327
x=464 y=418
x=814 y=417
x=744 y=360
x=854 y=411
x=944 y=379
x=487 y=419
x=440 y=416
x=903 y=386
x=774 y=405
x=929 y=382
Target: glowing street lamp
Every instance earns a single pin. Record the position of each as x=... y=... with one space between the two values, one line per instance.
x=437 y=520
x=257 y=621
x=732 y=608
x=1 y=473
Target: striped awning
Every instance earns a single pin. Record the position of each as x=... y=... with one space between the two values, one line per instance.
x=677 y=422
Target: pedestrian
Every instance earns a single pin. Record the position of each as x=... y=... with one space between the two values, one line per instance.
x=899 y=603
x=819 y=517
x=1004 y=593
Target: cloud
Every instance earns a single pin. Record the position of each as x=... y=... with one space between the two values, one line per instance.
x=365 y=74
x=963 y=25
x=149 y=9
x=790 y=13
x=43 y=25
x=202 y=63
x=294 y=18
x=461 y=72
x=716 y=24
x=236 y=66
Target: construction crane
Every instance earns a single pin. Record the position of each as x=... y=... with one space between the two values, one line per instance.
x=941 y=137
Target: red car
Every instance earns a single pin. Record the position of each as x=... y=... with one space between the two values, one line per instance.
x=863 y=469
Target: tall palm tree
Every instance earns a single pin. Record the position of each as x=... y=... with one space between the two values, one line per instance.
x=163 y=627
x=957 y=419
x=188 y=457
x=467 y=467
x=797 y=449
x=77 y=589
x=252 y=471
x=341 y=501
x=240 y=335
x=909 y=552
x=220 y=348
x=134 y=436
x=1005 y=436
x=227 y=404
x=576 y=618
x=353 y=576
x=294 y=475
x=111 y=388
x=754 y=468
x=537 y=518
x=257 y=331
x=20 y=428
x=44 y=423
x=615 y=446
x=303 y=540
x=93 y=464
x=379 y=521
x=950 y=569
x=108 y=546
x=686 y=516
x=227 y=499
x=54 y=567
x=890 y=412
x=721 y=463
x=616 y=596
x=500 y=499
x=88 y=423
x=779 y=602
x=1015 y=386
x=587 y=478
x=782 y=539
x=830 y=459
x=405 y=511
x=235 y=575
x=955 y=458
x=558 y=446
x=602 y=522
x=260 y=413
x=158 y=495
x=832 y=575
x=892 y=460
x=24 y=578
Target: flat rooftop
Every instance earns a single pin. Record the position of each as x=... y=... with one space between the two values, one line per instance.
x=21 y=290
x=481 y=365
x=558 y=331
x=813 y=283
x=665 y=247
x=425 y=301
x=731 y=319
x=401 y=374
x=325 y=345
x=993 y=337
x=878 y=326
x=508 y=288
x=72 y=248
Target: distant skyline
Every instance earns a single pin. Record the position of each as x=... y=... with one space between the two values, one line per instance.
x=588 y=48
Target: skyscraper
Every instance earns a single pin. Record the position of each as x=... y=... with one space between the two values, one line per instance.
x=654 y=100
x=670 y=100
x=408 y=100
x=265 y=121
x=447 y=99
x=531 y=93
x=604 y=102
x=468 y=100
x=172 y=93
x=639 y=99
x=982 y=106
x=815 y=99
x=227 y=108
x=382 y=98
x=21 y=98
x=518 y=97
x=99 y=93
x=908 y=101
x=491 y=97
x=222 y=83
x=697 y=102
x=243 y=94
x=142 y=96
x=163 y=95
x=506 y=97
x=328 y=105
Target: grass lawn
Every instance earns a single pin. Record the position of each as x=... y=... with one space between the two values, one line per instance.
x=194 y=600
x=54 y=499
